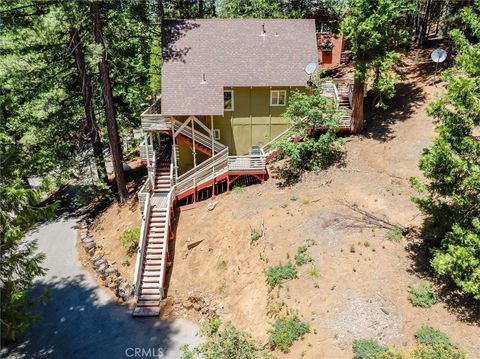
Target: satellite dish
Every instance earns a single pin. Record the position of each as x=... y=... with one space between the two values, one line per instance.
x=310 y=68
x=439 y=55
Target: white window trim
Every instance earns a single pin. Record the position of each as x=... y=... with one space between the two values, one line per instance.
x=216 y=134
x=276 y=104
x=233 y=101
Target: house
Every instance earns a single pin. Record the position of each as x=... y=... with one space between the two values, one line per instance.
x=225 y=86
x=236 y=75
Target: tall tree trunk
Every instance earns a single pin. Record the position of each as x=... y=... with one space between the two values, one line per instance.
x=87 y=95
x=357 y=104
x=112 y=126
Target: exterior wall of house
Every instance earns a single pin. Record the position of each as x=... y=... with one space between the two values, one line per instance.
x=330 y=58
x=253 y=122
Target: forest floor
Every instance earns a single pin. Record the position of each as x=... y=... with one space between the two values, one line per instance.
x=357 y=284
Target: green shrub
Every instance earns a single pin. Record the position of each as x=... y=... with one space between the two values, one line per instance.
x=395 y=235
x=437 y=351
x=277 y=274
x=302 y=257
x=223 y=340
x=366 y=348
x=421 y=295
x=430 y=336
x=254 y=235
x=285 y=331
x=129 y=239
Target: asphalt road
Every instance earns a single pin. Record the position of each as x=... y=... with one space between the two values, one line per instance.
x=80 y=320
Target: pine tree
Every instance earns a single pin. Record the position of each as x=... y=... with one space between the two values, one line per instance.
x=451 y=194
x=375 y=30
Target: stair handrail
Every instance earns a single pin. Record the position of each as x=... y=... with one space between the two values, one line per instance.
x=267 y=147
x=166 y=229
x=216 y=165
x=207 y=163
x=141 y=246
x=204 y=139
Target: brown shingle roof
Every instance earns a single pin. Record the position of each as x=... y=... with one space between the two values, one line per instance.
x=230 y=53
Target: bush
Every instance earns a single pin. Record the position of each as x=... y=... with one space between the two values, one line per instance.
x=223 y=340
x=277 y=274
x=430 y=336
x=366 y=348
x=437 y=351
x=394 y=235
x=129 y=239
x=255 y=235
x=285 y=331
x=302 y=257
x=421 y=295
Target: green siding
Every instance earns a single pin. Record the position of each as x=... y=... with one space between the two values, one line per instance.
x=252 y=122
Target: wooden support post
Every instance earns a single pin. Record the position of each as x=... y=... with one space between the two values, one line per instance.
x=174 y=144
x=145 y=139
x=194 y=151
x=213 y=138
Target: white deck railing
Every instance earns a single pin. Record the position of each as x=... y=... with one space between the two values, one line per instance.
x=143 y=152
x=246 y=163
x=153 y=120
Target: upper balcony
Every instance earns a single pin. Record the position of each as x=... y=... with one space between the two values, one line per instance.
x=153 y=120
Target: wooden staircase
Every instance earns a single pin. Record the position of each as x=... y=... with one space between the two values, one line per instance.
x=154 y=249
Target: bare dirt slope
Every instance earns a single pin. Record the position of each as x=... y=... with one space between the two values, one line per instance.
x=342 y=294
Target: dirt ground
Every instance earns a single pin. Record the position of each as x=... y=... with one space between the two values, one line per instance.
x=342 y=295
x=111 y=222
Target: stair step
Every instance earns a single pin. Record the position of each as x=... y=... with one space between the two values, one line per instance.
x=150 y=284
x=150 y=291
x=153 y=262
x=146 y=311
x=148 y=303
x=152 y=268
x=149 y=273
x=149 y=297
x=154 y=245
x=154 y=251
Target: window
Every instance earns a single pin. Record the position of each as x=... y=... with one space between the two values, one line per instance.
x=216 y=134
x=278 y=97
x=228 y=100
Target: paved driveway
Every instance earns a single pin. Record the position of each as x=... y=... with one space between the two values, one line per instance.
x=80 y=320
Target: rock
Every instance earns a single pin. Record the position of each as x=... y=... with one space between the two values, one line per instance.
x=197 y=306
x=101 y=269
x=95 y=258
x=211 y=205
x=221 y=305
x=206 y=301
x=88 y=241
x=187 y=305
x=91 y=251
x=89 y=246
x=99 y=263
x=111 y=270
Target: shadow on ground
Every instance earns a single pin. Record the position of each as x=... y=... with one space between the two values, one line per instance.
x=379 y=123
x=463 y=306
x=75 y=323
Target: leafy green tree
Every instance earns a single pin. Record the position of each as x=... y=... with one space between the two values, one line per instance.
x=314 y=121
x=450 y=196
x=375 y=30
